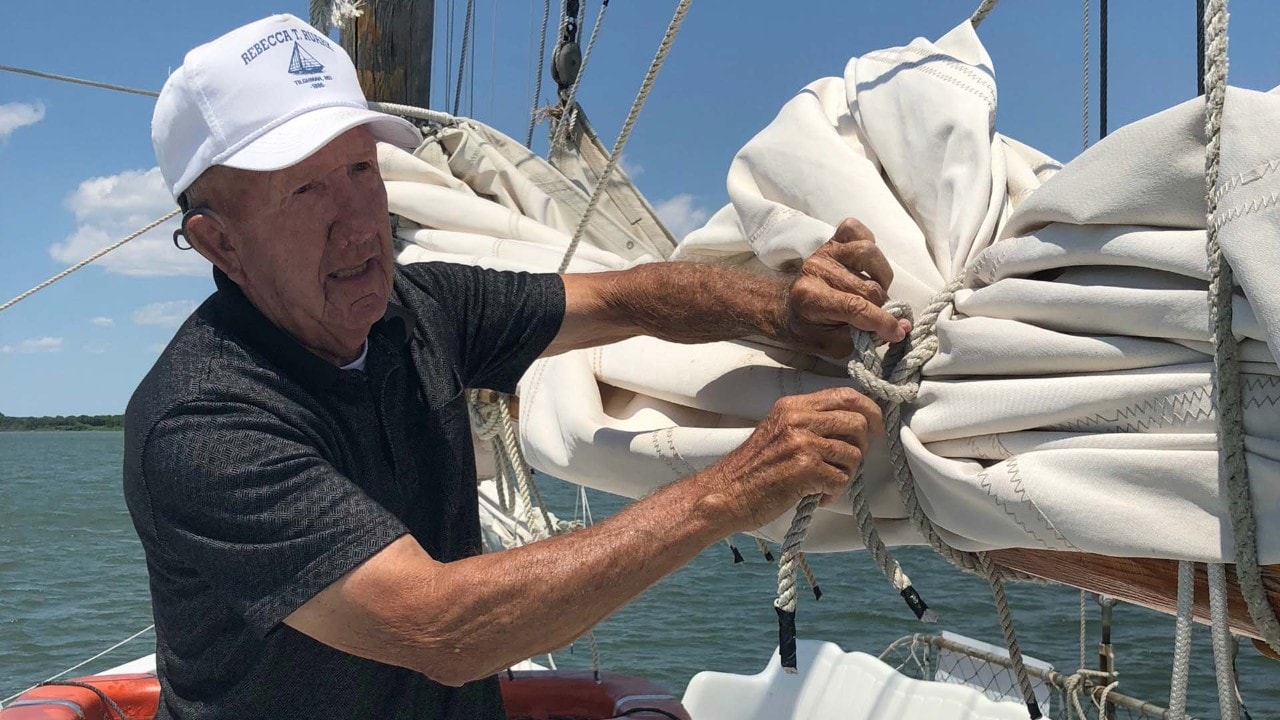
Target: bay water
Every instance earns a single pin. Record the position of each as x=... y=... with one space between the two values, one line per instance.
x=73 y=582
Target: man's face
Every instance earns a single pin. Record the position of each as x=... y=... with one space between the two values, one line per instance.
x=314 y=244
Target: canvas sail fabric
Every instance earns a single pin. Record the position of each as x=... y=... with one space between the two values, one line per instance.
x=1069 y=406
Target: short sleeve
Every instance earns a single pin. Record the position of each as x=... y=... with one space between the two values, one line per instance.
x=503 y=320
x=247 y=501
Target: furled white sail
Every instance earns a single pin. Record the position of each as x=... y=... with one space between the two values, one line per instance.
x=1069 y=405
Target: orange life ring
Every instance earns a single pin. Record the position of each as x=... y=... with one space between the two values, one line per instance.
x=138 y=696
x=528 y=695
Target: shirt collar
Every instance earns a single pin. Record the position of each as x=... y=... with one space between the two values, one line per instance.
x=263 y=336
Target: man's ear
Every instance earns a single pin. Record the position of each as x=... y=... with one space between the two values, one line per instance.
x=208 y=235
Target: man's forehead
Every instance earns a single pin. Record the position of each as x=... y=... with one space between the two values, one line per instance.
x=351 y=146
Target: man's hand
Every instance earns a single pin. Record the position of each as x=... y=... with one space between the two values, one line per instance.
x=842 y=285
x=807 y=444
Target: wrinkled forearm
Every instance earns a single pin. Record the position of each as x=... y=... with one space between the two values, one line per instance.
x=678 y=301
x=488 y=612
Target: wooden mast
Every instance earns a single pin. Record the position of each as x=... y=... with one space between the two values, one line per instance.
x=390 y=44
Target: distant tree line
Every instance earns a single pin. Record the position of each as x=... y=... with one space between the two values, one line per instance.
x=63 y=422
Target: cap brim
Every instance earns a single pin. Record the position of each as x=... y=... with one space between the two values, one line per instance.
x=299 y=138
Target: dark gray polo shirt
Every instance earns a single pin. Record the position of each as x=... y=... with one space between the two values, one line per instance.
x=257 y=474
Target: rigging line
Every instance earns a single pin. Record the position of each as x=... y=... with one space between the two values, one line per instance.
x=462 y=59
x=624 y=134
x=493 y=60
x=1199 y=47
x=1102 y=69
x=537 y=88
x=78 y=81
x=1084 y=82
x=561 y=135
x=77 y=666
x=982 y=12
x=471 y=73
x=448 y=52
x=150 y=226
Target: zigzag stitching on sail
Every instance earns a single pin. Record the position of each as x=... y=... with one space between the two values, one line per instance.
x=668 y=461
x=1249 y=208
x=1252 y=175
x=1014 y=476
x=984 y=89
x=1181 y=408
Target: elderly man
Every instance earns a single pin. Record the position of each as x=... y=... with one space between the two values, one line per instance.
x=299 y=465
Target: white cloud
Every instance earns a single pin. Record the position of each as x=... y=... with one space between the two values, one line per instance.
x=19 y=115
x=165 y=314
x=109 y=208
x=103 y=321
x=632 y=171
x=681 y=214
x=35 y=345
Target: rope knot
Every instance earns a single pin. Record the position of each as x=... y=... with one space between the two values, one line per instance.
x=867 y=367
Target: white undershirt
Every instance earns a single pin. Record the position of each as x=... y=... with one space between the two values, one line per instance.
x=358 y=363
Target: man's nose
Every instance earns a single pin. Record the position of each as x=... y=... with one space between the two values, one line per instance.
x=357 y=217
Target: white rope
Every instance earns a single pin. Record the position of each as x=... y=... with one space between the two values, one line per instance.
x=537 y=88
x=791 y=545
x=764 y=549
x=982 y=12
x=79 y=665
x=149 y=226
x=809 y=576
x=1228 y=394
x=78 y=81
x=996 y=580
x=1084 y=627
x=647 y=85
x=435 y=116
x=1182 y=625
x=595 y=655
x=1223 y=655
x=570 y=105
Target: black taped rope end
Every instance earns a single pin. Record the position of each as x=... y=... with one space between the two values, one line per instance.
x=817 y=593
x=787 y=639
x=1033 y=709
x=737 y=556
x=917 y=605
x=768 y=556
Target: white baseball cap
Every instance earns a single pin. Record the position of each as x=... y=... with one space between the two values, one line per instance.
x=262 y=97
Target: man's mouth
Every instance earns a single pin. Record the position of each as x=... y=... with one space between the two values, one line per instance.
x=352 y=271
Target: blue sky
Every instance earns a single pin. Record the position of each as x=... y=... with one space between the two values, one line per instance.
x=76 y=163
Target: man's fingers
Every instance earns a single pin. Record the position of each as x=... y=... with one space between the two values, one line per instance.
x=842 y=455
x=827 y=268
x=852 y=230
x=827 y=306
x=861 y=257
x=835 y=399
x=846 y=426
